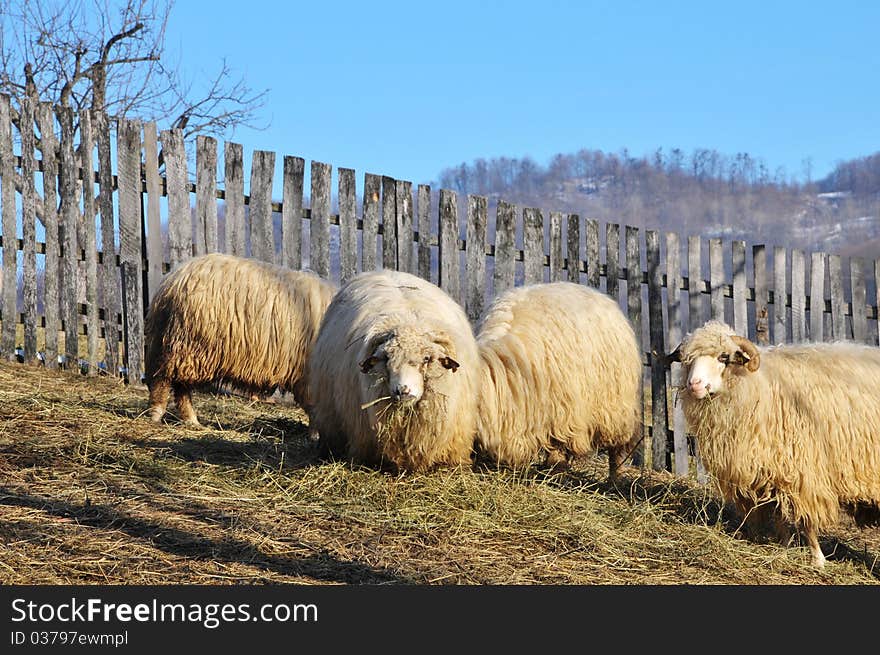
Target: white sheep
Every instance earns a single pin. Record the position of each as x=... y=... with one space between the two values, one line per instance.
x=561 y=375
x=795 y=428
x=393 y=374
x=240 y=321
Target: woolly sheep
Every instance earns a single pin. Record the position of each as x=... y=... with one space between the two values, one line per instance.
x=393 y=373
x=561 y=375
x=224 y=318
x=794 y=428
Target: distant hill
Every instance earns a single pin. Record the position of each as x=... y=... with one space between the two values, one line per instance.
x=704 y=192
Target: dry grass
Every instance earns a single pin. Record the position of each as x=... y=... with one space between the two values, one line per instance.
x=92 y=492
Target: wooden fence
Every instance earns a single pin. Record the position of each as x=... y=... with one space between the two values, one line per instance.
x=115 y=235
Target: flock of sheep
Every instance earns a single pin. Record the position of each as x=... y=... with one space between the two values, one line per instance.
x=391 y=373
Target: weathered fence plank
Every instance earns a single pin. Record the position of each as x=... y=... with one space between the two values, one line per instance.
x=573 y=243
x=130 y=206
x=233 y=196
x=475 y=245
x=319 y=200
x=292 y=211
x=90 y=240
x=533 y=245
x=762 y=311
x=179 y=216
x=859 y=300
x=448 y=237
x=424 y=211
x=348 y=249
x=780 y=296
x=51 y=222
x=634 y=311
x=798 y=297
x=660 y=456
x=817 y=296
x=740 y=308
x=370 y=230
x=716 y=279
x=838 y=303
x=206 y=195
x=109 y=276
x=260 y=209
x=505 y=247
x=155 y=255
x=696 y=318
x=10 y=240
x=612 y=260
x=133 y=333
x=69 y=219
x=695 y=284
x=389 y=222
x=556 y=256
x=591 y=244
x=404 y=226
x=29 y=234
x=681 y=461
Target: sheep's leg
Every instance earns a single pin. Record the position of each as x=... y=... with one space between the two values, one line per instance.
x=616 y=458
x=159 y=391
x=813 y=541
x=183 y=399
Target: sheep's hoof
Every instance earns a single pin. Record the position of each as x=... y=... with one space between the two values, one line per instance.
x=156 y=415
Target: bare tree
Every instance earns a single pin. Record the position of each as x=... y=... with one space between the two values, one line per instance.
x=110 y=56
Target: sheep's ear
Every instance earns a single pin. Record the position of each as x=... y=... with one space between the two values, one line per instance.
x=448 y=362
x=367 y=364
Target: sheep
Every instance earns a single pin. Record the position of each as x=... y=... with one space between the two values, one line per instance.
x=560 y=378
x=393 y=373
x=792 y=428
x=224 y=318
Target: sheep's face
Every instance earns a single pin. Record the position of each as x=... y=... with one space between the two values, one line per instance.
x=408 y=361
x=714 y=359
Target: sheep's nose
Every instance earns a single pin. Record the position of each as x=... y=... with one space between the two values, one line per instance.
x=695 y=382
x=401 y=391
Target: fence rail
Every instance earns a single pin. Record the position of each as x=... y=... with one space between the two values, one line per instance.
x=151 y=221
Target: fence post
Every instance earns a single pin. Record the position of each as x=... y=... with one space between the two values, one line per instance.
x=424 y=211
x=319 y=245
x=634 y=310
x=233 y=196
x=798 y=297
x=533 y=245
x=179 y=216
x=404 y=220
x=52 y=272
x=29 y=234
x=505 y=244
x=475 y=245
x=740 y=308
x=10 y=242
x=292 y=213
x=612 y=261
x=110 y=288
x=389 y=222
x=206 y=195
x=370 y=220
x=591 y=244
x=817 y=296
x=762 y=313
x=260 y=208
x=131 y=302
x=90 y=241
x=859 y=300
x=347 y=224
x=155 y=256
x=838 y=304
x=660 y=457
x=780 y=296
x=449 y=273
x=574 y=249
x=556 y=256
x=681 y=461
x=716 y=279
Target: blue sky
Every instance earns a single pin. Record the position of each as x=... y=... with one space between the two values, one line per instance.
x=406 y=88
